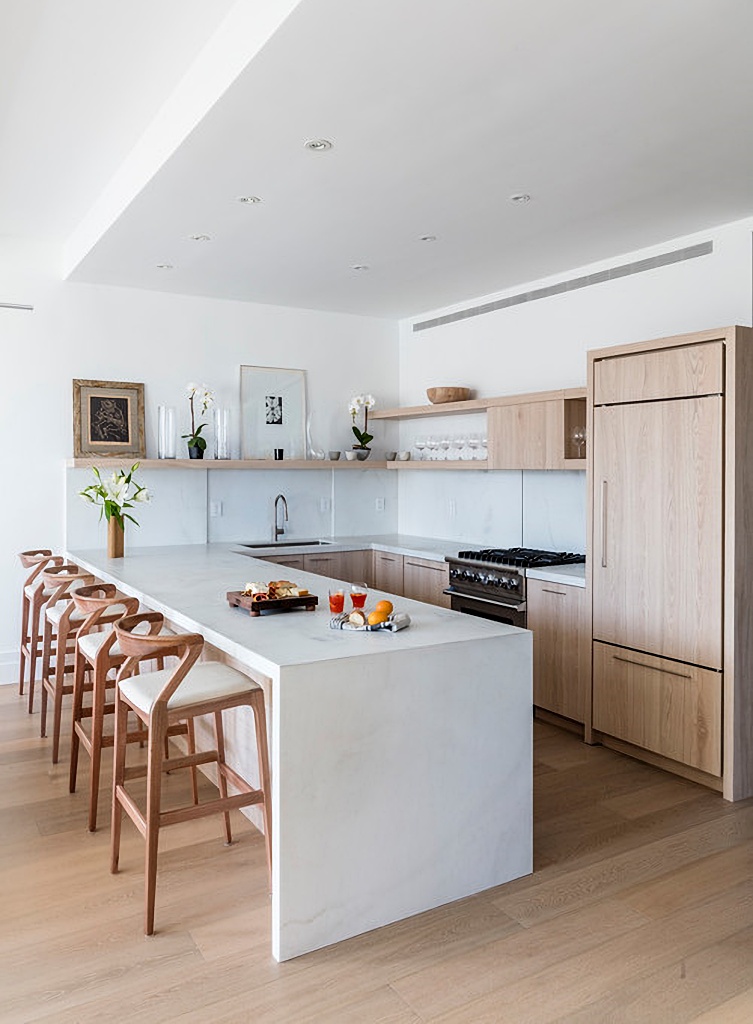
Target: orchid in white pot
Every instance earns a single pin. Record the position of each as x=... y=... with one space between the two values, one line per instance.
x=357 y=403
x=201 y=395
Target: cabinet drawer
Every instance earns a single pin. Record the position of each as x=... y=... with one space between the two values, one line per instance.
x=669 y=707
x=425 y=580
x=681 y=372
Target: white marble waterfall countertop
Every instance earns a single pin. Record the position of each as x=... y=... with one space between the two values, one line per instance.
x=189 y=583
x=401 y=763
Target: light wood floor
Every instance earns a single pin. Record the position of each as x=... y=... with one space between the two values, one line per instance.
x=640 y=910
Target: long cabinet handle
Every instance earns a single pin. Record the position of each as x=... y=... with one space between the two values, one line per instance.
x=559 y=593
x=603 y=524
x=653 y=668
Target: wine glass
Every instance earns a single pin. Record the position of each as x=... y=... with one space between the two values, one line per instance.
x=432 y=443
x=578 y=438
x=420 y=447
x=473 y=443
x=444 y=447
x=460 y=444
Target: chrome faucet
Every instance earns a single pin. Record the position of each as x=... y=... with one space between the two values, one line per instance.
x=280 y=529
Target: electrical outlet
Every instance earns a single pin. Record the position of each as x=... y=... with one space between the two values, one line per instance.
x=324 y=504
x=215 y=509
x=452 y=508
x=379 y=504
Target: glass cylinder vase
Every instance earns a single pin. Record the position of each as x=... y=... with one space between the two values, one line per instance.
x=165 y=432
x=222 y=433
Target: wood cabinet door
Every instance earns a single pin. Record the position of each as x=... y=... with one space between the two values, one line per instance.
x=528 y=435
x=683 y=371
x=357 y=567
x=291 y=561
x=425 y=580
x=669 y=707
x=558 y=616
x=657 y=551
x=324 y=565
x=388 y=572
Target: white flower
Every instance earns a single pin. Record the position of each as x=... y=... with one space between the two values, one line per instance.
x=368 y=401
x=142 y=496
x=207 y=398
x=357 y=401
x=191 y=390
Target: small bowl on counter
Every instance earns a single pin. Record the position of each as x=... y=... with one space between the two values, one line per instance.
x=403 y=456
x=438 y=396
x=334 y=456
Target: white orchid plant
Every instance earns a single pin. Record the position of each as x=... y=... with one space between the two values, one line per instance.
x=358 y=402
x=119 y=492
x=197 y=394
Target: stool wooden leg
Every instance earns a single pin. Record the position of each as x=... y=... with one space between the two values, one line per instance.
x=260 y=725
x=99 y=698
x=76 y=714
x=25 y=644
x=191 y=741
x=118 y=778
x=57 y=695
x=221 y=780
x=157 y=730
x=46 y=661
x=34 y=641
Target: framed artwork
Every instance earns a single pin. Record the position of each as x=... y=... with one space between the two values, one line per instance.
x=273 y=412
x=108 y=419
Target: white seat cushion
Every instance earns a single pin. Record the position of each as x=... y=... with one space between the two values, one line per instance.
x=90 y=643
x=207 y=680
x=55 y=613
x=31 y=589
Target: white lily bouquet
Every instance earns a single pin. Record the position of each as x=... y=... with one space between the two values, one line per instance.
x=115 y=494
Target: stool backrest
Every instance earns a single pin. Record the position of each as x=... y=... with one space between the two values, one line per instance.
x=103 y=604
x=37 y=561
x=60 y=578
x=142 y=646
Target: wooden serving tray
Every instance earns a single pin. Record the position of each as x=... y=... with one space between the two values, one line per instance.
x=237 y=599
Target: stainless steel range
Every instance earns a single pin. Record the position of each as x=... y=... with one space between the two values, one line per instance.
x=491 y=583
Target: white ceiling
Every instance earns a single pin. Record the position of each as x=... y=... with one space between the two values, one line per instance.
x=125 y=129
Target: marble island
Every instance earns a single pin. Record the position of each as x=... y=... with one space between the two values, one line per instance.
x=401 y=762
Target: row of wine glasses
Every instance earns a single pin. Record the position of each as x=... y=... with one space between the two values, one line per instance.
x=443 y=447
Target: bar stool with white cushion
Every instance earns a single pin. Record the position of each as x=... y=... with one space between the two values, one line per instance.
x=33 y=598
x=161 y=699
x=61 y=623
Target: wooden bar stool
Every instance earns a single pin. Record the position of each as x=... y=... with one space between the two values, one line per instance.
x=160 y=699
x=61 y=623
x=33 y=597
x=97 y=650
x=99 y=653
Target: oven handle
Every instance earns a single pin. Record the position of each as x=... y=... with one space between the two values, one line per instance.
x=485 y=600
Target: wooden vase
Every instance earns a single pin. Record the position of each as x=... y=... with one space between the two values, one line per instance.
x=115 y=538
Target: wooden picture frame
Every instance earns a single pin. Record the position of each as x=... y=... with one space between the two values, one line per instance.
x=108 y=419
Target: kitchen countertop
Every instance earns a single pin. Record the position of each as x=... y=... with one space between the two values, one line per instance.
x=430 y=548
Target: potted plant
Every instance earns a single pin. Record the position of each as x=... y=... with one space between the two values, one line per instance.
x=363 y=437
x=113 y=496
x=196 y=444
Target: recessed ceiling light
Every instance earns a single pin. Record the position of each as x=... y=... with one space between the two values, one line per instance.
x=318 y=145
x=249 y=199
x=520 y=197
x=360 y=266
x=201 y=238
x=164 y=266
x=428 y=238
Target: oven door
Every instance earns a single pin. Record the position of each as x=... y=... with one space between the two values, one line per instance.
x=512 y=614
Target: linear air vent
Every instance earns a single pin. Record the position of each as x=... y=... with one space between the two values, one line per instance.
x=626 y=270
x=16 y=305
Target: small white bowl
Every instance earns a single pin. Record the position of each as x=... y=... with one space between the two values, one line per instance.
x=334 y=456
x=351 y=456
x=390 y=456
x=403 y=456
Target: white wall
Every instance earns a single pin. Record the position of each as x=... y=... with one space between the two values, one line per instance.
x=99 y=332
x=542 y=345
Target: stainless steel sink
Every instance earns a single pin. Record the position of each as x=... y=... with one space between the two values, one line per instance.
x=286 y=543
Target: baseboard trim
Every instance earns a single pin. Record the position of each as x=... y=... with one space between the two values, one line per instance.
x=8 y=667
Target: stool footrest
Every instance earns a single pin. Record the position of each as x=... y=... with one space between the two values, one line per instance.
x=230 y=803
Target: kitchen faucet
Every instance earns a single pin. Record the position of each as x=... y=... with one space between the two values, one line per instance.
x=280 y=529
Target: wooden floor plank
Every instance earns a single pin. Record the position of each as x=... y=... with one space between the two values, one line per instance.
x=640 y=909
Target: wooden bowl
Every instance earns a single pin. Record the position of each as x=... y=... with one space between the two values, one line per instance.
x=438 y=396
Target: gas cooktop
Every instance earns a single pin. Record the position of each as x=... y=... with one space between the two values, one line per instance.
x=523 y=558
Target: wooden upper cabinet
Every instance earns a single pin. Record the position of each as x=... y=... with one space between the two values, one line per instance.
x=681 y=372
x=657 y=558
x=538 y=434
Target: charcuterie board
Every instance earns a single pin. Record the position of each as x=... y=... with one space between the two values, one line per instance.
x=237 y=599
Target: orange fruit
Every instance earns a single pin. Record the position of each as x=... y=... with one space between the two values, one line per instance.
x=384 y=606
x=378 y=616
